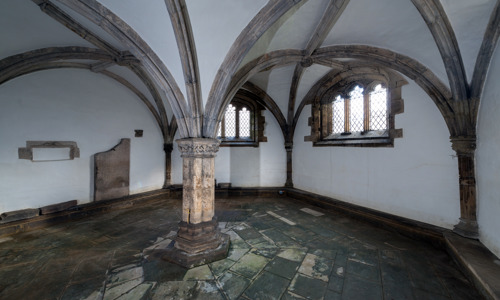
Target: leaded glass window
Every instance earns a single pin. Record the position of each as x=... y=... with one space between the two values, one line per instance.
x=338 y=115
x=358 y=113
x=230 y=122
x=378 y=108
x=239 y=124
x=356 y=109
x=244 y=115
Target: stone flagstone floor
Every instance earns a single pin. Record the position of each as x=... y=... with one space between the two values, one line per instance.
x=280 y=249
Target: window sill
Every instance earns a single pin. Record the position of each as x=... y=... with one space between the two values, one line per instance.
x=379 y=138
x=238 y=143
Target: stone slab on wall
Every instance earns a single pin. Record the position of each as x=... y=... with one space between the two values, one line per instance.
x=112 y=172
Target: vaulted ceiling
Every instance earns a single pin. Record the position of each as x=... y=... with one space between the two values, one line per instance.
x=185 y=59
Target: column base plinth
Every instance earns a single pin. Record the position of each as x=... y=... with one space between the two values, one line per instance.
x=467 y=228
x=197 y=244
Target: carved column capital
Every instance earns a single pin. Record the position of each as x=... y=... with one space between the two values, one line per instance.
x=198 y=147
x=288 y=146
x=463 y=145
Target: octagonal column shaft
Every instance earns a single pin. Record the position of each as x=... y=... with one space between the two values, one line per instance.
x=198 y=166
x=198 y=240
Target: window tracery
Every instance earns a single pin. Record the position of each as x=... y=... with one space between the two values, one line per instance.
x=357 y=110
x=242 y=124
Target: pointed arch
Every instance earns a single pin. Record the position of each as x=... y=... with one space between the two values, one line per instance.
x=119 y=29
x=221 y=86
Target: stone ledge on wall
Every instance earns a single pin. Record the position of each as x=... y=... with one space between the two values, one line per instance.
x=27 y=152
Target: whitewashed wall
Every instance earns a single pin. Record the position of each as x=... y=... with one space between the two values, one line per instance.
x=488 y=159
x=263 y=166
x=417 y=179
x=71 y=105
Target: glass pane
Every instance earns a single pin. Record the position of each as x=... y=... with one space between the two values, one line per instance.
x=244 y=123
x=378 y=108
x=338 y=115
x=356 y=123
x=230 y=122
x=219 y=130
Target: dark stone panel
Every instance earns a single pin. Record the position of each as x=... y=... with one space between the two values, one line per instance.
x=112 y=172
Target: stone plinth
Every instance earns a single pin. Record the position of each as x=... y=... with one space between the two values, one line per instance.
x=198 y=240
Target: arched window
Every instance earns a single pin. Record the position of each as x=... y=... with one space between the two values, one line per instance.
x=242 y=124
x=357 y=110
x=360 y=112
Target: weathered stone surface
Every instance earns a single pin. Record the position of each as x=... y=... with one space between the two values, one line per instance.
x=250 y=265
x=17 y=215
x=194 y=238
x=198 y=179
x=189 y=260
x=316 y=267
x=368 y=262
x=49 y=209
x=198 y=240
x=112 y=172
x=199 y=273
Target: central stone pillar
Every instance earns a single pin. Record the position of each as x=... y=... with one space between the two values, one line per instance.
x=198 y=240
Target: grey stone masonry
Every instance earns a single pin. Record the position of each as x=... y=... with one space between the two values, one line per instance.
x=198 y=240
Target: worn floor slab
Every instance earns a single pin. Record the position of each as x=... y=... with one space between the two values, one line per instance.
x=294 y=252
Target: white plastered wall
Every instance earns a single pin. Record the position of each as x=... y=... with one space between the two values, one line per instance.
x=488 y=159
x=71 y=105
x=417 y=179
x=262 y=166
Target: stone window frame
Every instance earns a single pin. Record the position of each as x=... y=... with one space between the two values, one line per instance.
x=257 y=122
x=321 y=111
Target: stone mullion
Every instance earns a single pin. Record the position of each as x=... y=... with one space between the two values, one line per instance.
x=347 y=115
x=366 y=111
x=237 y=122
x=465 y=148
x=223 y=128
x=198 y=239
